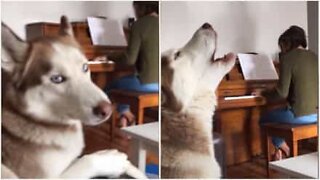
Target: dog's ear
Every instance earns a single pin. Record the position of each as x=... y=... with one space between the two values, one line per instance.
x=13 y=49
x=163 y=98
x=65 y=26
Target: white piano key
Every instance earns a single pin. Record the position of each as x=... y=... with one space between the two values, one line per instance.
x=100 y=62
x=240 y=97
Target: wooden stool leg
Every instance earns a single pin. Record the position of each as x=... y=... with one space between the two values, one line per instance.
x=138 y=111
x=295 y=148
x=113 y=122
x=140 y=115
x=267 y=151
x=135 y=110
x=293 y=145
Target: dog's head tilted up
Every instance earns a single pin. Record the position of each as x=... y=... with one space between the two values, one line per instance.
x=191 y=72
x=48 y=79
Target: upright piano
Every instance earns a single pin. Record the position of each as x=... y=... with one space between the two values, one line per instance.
x=238 y=112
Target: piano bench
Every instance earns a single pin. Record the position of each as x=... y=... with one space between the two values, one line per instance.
x=292 y=133
x=137 y=101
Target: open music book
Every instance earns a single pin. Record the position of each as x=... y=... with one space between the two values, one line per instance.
x=257 y=67
x=106 y=32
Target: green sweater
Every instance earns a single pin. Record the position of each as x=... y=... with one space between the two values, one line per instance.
x=143 y=49
x=298 y=81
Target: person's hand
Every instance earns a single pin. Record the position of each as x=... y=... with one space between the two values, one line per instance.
x=101 y=58
x=257 y=92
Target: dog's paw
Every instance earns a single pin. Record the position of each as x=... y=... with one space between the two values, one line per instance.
x=111 y=163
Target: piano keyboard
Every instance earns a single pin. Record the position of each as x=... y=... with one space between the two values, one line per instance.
x=240 y=97
x=100 y=62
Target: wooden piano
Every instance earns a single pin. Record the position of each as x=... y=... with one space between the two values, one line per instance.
x=237 y=115
x=98 y=137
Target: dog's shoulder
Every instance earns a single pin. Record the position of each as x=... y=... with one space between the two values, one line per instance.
x=38 y=132
x=40 y=143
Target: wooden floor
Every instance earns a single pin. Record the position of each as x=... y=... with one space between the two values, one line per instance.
x=256 y=169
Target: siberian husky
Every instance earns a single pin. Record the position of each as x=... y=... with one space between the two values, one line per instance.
x=46 y=96
x=189 y=78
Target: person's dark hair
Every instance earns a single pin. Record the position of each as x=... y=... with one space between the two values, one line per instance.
x=293 y=38
x=149 y=6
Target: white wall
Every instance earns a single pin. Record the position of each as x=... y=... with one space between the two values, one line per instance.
x=241 y=26
x=18 y=14
x=313 y=25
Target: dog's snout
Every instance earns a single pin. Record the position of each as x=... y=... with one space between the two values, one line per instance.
x=103 y=109
x=206 y=26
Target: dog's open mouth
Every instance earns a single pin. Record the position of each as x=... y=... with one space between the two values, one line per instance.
x=212 y=57
x=226 y=58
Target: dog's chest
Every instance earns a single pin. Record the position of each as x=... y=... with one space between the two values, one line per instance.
x=54 y=161
x=42 y=161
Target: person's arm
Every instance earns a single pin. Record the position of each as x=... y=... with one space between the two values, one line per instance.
x=283 y=86
x=284 y=79
x=133 y=48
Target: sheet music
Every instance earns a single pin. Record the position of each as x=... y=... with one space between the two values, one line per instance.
x=106 y=32
x=257 y=67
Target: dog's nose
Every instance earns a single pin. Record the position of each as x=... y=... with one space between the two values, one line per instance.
x=103 y=109
x=206 y=26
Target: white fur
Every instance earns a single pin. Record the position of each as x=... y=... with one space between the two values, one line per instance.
x=195 y=79
x=67 y=105
x=57 y=101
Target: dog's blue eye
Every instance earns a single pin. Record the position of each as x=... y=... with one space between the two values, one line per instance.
x=57 y=79
x=85 y=67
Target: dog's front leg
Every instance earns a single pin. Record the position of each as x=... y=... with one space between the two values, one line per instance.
x=110 y=163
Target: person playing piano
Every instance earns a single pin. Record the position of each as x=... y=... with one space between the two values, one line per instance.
x=298 y=84
x=143 y=53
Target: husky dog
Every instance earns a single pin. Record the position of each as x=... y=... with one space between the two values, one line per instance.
x=47 y=94
x=189 y=78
